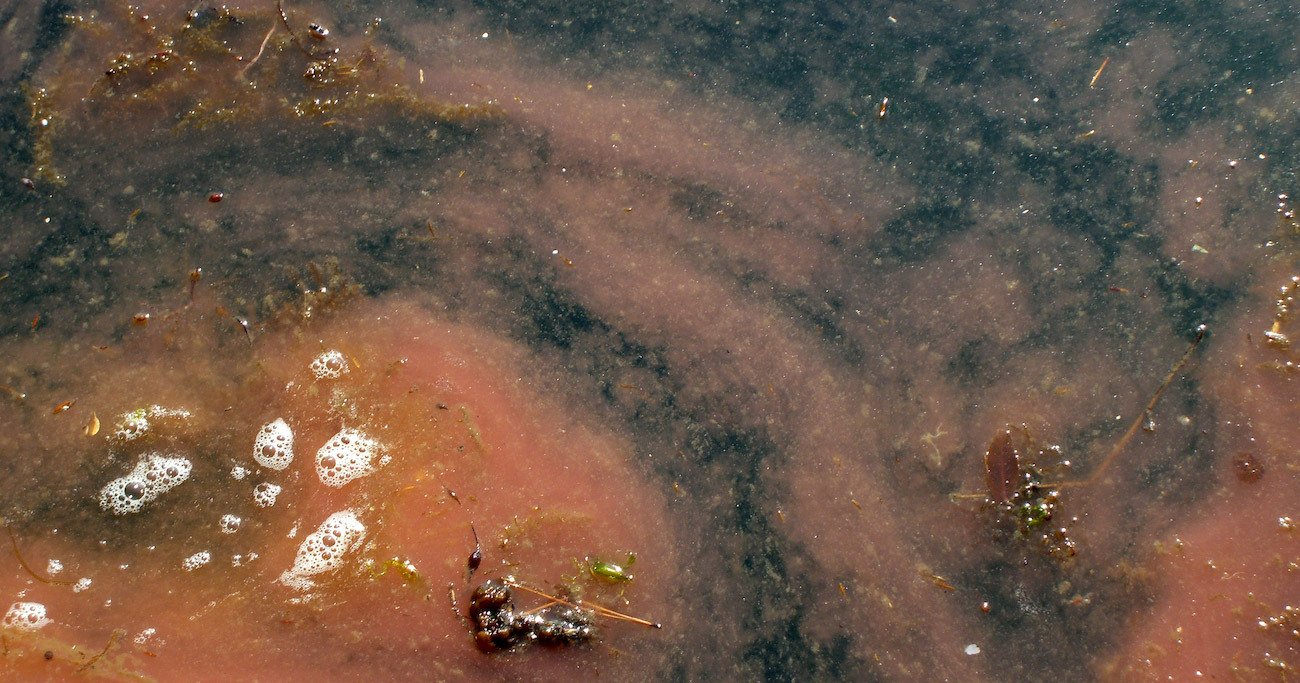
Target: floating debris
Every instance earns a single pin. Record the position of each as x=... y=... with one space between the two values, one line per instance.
x=498 y=625
x=611 y=572
x=1025 y=499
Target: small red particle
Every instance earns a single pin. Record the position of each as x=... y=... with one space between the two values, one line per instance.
x=985 y=607
x=216 y=197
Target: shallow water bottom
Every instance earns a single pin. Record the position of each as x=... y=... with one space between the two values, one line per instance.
x=466 y=454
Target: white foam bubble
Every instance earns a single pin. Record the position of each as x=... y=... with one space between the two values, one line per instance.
x=25 y=616
x=196 y=560
x=230 y=523
x=265 y=493
x=348 y=455
x=273 y=447
x=324 y=549
x=53 y=567
x=138 y=422
x=82 y=584
x=238 y=472
x=329 y=365
x=144 y=636
x=154 y=475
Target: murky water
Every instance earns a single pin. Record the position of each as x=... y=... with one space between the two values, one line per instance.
x=733 y=300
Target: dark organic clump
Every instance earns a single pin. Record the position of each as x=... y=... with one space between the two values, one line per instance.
x=498 y=627
x=1018 y=491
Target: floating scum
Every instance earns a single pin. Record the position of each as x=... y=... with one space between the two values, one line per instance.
x=424 y=341
x=371 y=537
x=352 y=562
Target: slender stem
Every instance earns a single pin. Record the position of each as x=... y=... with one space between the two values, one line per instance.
x=585 y=604
x=26 y=567
x=266 y=39
x=1142 y=418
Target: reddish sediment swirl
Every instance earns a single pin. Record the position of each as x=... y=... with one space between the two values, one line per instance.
x=1229 y=573
x=467 y=441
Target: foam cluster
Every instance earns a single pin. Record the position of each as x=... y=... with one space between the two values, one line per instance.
x=25 y=616
x=138 y=422
x=273 y=447
x=324 y=549
x=265 y=493
x=329 y=365
x=196 y=560
x=230 y=523
x=154 y=475
x=348 y=455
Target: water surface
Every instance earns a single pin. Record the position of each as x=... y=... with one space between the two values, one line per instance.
x=743 y=290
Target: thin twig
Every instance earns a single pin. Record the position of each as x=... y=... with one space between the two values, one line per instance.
x=266 y=39
x=13 y=540
x=1142 y=418
x=1097 y=76
x=585 y=604
x=112 y=640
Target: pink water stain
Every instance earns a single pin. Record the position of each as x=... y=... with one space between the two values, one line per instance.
x=471 y=442
x=639 y=122
x=1230 y=567
x=1210 y=222
x=622 y=156
x=807 y=399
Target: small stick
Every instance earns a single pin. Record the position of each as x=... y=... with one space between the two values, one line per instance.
x=599 y=609
x=112 y=640
x=1142 y=418
x=534 y=610
x=13 y=540
x=1093 y=82
x=265 y=40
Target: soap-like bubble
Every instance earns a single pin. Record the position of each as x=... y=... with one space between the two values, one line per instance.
x=265 y=493
x=273 y=447
x=324 y=549
x=329 y=365
x=348 y=455
x=82 y=584
x=196 y=560
x=154 y=475
x=140 y=421
x=230 y=524
x=25 y=616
